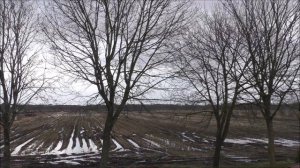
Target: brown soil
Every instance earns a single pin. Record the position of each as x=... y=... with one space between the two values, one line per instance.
x=179 y=140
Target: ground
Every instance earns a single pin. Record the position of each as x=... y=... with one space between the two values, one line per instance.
x=147 y=139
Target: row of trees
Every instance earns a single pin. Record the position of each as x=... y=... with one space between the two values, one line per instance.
x=19 y=63
x=209 y=58
x=243 y=51
x=113 y=45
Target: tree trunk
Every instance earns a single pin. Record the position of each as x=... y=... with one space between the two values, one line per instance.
x=6 y=156
x=218 y=146
x=106 y=142
x=271 y=147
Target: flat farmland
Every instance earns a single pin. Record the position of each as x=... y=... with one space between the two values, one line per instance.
x=147 y=139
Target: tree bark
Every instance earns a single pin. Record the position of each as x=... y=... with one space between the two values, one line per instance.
x=106 y=142
x=271 y=147
x=218 y=146
x=6 y=153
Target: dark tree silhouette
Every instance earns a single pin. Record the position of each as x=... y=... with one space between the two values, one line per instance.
x=270 y=29
x=210 y=59
x=114 y=45
x=19 y=82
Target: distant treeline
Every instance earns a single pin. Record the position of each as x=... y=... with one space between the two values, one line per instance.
x=102 y=108
x=138 y=107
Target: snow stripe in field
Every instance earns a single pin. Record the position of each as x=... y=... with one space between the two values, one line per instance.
x=49 y=148
x=65 y=161
x=119 y=146
x=37 y=149
x=133 y=143
x=58 y=146
x=186 y=137
x=93 y=147
x=18 y=148
x=152 y=143
x=238 y=141
x=287 y=142
x=280 y=141
x=74 y=148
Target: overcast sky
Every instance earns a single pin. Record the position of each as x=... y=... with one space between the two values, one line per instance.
x=69 y=91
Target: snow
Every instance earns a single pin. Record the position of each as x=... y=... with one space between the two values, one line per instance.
x=77 y=148
x=18 y=148
x=74 y=148
x=193 y=149
x=82 y=130
x=58 y=147
x=204 y=140
x=258 y=140
x=196 y=149
x=238 y=141
x=186 y=137
x=166 y=142
x=152 y=143
x=93 y=147
x=74 y=159
x=65 y=161
x=240 y=158
x=287 y=142
x=49 y=148
x=37 y=149
x=280 y=141
x=30 y=148
x=119 y=146
x=56 y=150
x=133 y=143
x=84 y=145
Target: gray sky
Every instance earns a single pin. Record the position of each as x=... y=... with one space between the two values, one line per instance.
x=69 y=91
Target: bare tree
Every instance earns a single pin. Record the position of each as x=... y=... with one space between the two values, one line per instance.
x=271 y=31
x=210 y=59
x=114 y=45
x=19 y=82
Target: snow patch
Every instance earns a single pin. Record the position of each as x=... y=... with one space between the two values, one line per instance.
x=287 y=142
x=280 y=141
x=152 y=143
x=133 y=143
x=240 y=158
x=49 y=148
x=73 y=147
x=183 y=134
x=255 y=140
x=119 y=147
x=18 y=148
x=37 y=149
x=82 y=130
x=65 y=161
x=238 y=141
x=93 y=147
x=58 y=146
